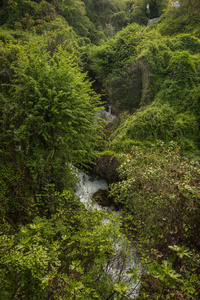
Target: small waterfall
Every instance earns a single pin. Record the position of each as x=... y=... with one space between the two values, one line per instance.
x=87 y=187
x=150 y=21
x=107 y=115
x=110 y=109
x=124 y=256
x=175 y=4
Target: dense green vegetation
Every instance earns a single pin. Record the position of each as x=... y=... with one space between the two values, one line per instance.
x=59 y=61
x=159 y=75
x=159 y=193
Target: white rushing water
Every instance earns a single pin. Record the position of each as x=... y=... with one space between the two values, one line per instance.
x=87 y=187
x=106 y=115
x=124 y=258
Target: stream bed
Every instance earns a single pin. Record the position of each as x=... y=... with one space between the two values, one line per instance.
x=125 y=257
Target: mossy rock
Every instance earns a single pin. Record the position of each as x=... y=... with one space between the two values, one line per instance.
x=102 y=198
x=106 y=167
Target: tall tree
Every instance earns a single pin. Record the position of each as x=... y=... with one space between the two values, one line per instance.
x=47 y=119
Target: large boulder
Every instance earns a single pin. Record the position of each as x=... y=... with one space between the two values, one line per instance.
x=103 y=199
x=106 y=167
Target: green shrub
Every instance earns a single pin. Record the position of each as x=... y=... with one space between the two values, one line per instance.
x=159 y=193
x=156 y=122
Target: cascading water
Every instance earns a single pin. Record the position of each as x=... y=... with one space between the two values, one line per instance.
x=106 y=115
x=87 y=187
x=124 y=258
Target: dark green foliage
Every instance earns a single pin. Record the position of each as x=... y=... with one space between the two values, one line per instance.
x=180 y=83
x=120 y=65
x=43 y=103
x=26 y=14
x=108 y=16
x=154 y=9
x=74 y=13
x=92 y=19
x=139 y=67
x=119 y=77
x=127 y=88
x=140 y=11
x=159 y=192
x=157 y=181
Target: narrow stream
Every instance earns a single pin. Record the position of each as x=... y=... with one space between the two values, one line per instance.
x=120 y=266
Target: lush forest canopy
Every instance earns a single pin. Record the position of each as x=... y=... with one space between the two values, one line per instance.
x=61 y=61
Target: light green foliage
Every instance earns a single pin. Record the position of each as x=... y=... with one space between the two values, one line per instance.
x=116 y=51
x=53 y=104
x=181 y=251
x=138 y=63
x=50 y=246
x=53 y=33
x=156 y=122
x=109 y=61
x=48 y=111
x=47 y=119
x=58 y=32
x=165 y=273
x=180 y=82
x=62 y=257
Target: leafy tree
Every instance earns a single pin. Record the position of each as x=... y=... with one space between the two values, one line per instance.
x=48 y=114
x=26 y=14
x=75 y=14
